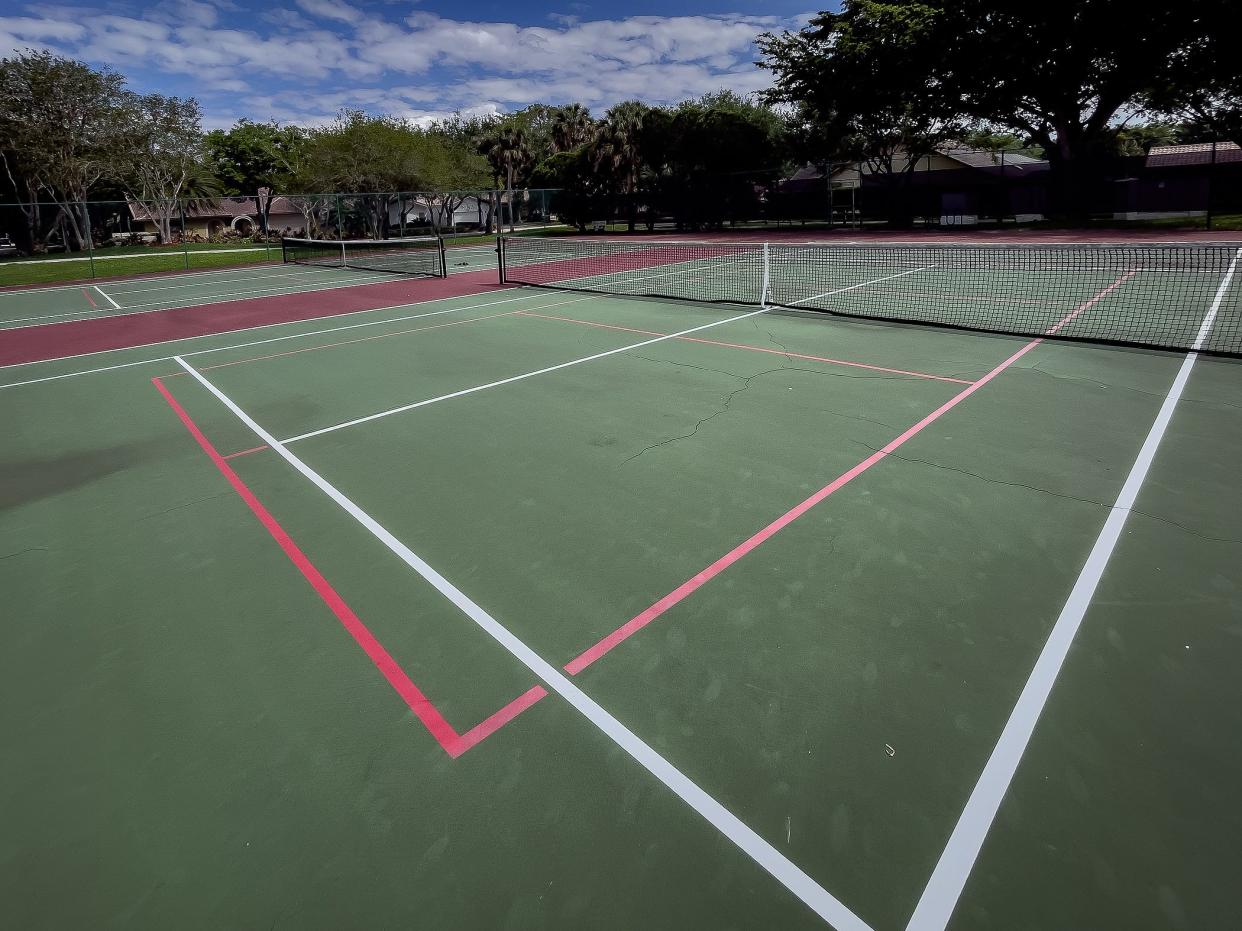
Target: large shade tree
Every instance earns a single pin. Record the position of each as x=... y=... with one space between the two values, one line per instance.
x=252 y=157
x=62 y=133
x=165 y=163
x=1061 y=75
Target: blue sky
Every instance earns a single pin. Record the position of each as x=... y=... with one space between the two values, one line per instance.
x=303 y=60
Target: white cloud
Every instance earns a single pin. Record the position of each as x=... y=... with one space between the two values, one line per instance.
x=328 y=54
x=336 y=10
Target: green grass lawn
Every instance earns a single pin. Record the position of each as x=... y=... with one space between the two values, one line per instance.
x=131 y=260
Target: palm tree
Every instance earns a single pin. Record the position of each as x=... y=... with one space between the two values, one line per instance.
x=507 y=152
x=572 y=126
x=618 y=151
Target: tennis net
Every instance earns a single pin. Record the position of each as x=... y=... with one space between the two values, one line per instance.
x=421 y=255
x=1152 y=295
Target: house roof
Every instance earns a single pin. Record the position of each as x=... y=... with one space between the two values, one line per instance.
x=805 y=178
x=1197 y=153
x=217 y=208
x=983 y=158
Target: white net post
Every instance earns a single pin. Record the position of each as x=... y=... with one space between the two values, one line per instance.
x=763 y=294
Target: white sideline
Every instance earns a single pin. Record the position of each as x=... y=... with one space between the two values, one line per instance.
x=136 y=255
x=106 y=297
x=163 y=276
x=262 y=342
x=220 y=298
x=944 y=888
x=303 y=272
x=764 y=854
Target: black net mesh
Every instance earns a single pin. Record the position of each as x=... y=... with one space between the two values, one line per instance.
x=1143 y=295
x=422 y=255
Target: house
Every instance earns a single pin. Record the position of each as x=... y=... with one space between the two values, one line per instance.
x=1199 y=153
x=421 y=211
x=216 y=216
x=469 y=210
x=1178 y=181
x=954 y=185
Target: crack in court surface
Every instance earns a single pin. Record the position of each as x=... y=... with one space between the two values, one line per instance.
x=1057 y=494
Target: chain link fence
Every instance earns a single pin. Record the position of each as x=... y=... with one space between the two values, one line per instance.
x=64 y=241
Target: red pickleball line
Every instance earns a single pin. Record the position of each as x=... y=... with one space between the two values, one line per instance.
x=641 y=620
x=453 y=743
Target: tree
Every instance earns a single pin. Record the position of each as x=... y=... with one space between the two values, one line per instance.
x=63 y=132
x=988 y=139
x=583 y=193
x=1138 y=140
x=618 y=150
x=869 y=82
x=1202 y=85
x=572 y=127
x=166 y=158
x=454 y=166
x=250 y=156
x=1063 y=75
x=1059 y=74
x=505 y=147
x=375 y=156
x=707 y=160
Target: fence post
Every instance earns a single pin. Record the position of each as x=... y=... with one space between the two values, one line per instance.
x=340 y=219
x=185 y=246
x=1211 y=170
x=90 y=244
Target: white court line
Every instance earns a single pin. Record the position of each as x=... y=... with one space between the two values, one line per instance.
x=141 y=256
x=302 y=272
x=944 y=888
x=764 y=854
x=551 y=368
x=106 y=297
x=508 y=381
x=856 y=286
x=220 y=298
x=264 y=342
x=165 y=276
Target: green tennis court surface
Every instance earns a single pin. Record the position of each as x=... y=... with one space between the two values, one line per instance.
x=86 y=301
x=540 y=609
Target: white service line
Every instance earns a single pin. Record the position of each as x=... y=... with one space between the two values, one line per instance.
x=553 y=368
x=106 y=297
x=764 y=854
x=164 y=276
x=303 y=272
x=856 y=286
x=137 y=255
x=263 y=342
x=944 y=888
x=508 y=381
x=220 y=298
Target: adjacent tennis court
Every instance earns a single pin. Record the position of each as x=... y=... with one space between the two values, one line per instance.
x=642 y=592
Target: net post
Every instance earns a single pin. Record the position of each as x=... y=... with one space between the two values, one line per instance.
x=763 y=294
x=185 y=246
x=90 y=236
x=500 y=257
x=443 y=256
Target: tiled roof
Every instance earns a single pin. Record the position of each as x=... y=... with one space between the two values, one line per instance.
x=1198 y=153
x=219 y=208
